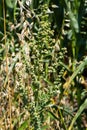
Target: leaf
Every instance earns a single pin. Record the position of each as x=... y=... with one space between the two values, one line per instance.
x=64 y=65
x=52 y=115
x=81 y=66
x=1 y=8
x=82 y=107
x=24 y=125
x=11 y=3
x=45 y=127
x=74 y=22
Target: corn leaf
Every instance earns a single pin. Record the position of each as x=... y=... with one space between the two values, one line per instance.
x=78 y=69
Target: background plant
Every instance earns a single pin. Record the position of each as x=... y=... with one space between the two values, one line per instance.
x=40 y=48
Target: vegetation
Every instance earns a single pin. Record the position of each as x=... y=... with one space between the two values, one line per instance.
x=43 y=65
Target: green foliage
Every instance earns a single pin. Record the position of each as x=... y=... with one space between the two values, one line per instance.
x=43 y=64
x=24 y=125
x=11 y=3
x=82 y=107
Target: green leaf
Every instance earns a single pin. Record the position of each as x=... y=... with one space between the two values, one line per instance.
x=64 y=65
x=45 y=127
x=78 y=69
x=11 y=3
x=24 y=125
x=52 y=115
x=74 y=22
x=1 y=12
x=82 y=107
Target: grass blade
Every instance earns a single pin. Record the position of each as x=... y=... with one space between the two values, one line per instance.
x=82 y=107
